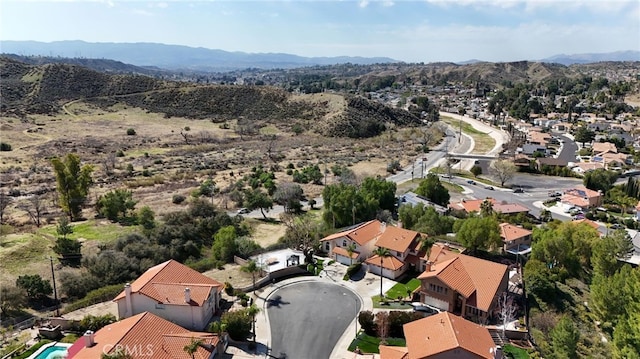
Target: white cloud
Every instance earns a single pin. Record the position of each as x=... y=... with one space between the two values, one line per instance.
x=387 y=3
x=363 y=3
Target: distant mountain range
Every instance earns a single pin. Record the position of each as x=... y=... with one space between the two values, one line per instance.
x=155 y=56
x=590 y=58
x=176 y=57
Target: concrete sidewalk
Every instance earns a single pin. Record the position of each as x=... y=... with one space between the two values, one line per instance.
x=365 y=288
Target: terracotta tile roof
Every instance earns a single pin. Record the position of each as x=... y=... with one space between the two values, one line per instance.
x=470 y=276
x=453 y=274
x=440 y=253
x=147 y=336
x=361 y=234
x=509 y=208
x=638 y=206
x=343 y=252
x=575 y=200
x=445 y=332
x=390 y=262
x=387 y=352
x=509 y=232
x=583 y=192
x=167 y=281
x=587 y=222
x=471 y=205
x=397 y=239
x=599 y=147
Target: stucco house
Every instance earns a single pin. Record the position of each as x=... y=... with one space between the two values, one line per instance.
x=581 y=197
x=146 y=335
x=362 y=237
x=404 y=249
x=515 y=238
x=174 y=292
x=444 y=336
x=464 y=285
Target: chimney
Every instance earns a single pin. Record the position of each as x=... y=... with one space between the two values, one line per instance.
x=128 y=302
x=383 y=226
x=497 y=352
x=187 y=295
x=399 y=225
x=427 y=267
x=89 y=339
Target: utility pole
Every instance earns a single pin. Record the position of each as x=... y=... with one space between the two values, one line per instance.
x=55 y=290
x=460 y=132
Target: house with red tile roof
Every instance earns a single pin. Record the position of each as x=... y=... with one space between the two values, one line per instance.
x=404 y=249
x=439 y=252
x=174 y=292
x=515 y=237
x=146 y=335
x=444 y=336
x=474 y=205
x=581 y=197
x=362 y=237
x=464 y=285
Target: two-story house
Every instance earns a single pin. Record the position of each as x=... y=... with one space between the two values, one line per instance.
x=444 y=336
x=146 y=335
x=515 y=239
x=361 y=238
x=174 y=292
x=403 y=246
x=464 y=285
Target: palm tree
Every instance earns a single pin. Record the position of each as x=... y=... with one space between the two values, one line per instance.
x=217 y=327
x=426 y=243
x=192 y=347
x=486 y=208
x=252 y=268
x=350 y=249
x=252 y=311
x=382 y=253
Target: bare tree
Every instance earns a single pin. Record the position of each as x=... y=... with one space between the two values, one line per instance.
x=185 y=135
x=382 y=326
x=504 y=170
x=508 y=310
x=302 y=233
x=35 y=206
x=5 y=200
x=109 y=163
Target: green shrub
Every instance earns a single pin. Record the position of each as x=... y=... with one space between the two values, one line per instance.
x=202 y=264
x=33 y=349
x=120 y=153
x=131 y=132
x=4 y=147
x=228 y=288
x=178 y=198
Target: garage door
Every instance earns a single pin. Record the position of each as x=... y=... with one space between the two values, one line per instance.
x=440 y=304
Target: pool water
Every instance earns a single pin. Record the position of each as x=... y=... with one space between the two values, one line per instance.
x=55 y=351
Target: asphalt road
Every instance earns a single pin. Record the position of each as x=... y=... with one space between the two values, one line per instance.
x=308 y=318
x=536 y=188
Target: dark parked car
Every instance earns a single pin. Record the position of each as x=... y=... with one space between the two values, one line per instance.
x=471 y=182
x=490 y=188
x=518 y=190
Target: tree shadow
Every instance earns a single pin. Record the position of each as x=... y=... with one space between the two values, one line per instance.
x=276 y=301
x=359 y=275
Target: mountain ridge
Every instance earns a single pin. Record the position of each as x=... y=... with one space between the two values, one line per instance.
x=175 y=57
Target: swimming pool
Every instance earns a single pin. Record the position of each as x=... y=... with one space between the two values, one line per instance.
x=51 y=351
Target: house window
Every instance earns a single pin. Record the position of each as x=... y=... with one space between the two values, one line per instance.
x=344 y=242
x=159 y=306
x=326 y=246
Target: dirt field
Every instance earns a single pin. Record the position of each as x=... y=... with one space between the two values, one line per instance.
x=169 y=156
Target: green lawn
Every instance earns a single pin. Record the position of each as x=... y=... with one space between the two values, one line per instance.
x=369 y=344
x=93 y=230
x=515 y=352
x=389 y=305
x=403 y=290
x=483 y=142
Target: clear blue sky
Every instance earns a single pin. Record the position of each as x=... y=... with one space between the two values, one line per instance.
x=412 y=31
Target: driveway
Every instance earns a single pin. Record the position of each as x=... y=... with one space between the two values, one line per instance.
x=308 y=318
